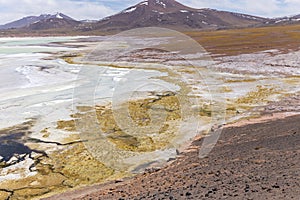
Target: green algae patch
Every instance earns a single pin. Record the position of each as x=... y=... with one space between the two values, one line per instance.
x=45 y=133
x=261 y=95
x=73 y=138
x=29 y=193
x=38 y=184
x=293 y=80
x=70 y=166
x=84 y=108
x=69 y=58
x=156 y=118
x=239 y=80
x=140 y=115
x=225 y=89
x=78 y=166
x=66 y=125
x=205 y=110
x=4 y=195
x=139 y=110
x=231 y=110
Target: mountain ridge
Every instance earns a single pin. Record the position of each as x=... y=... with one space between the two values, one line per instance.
x=284 y=20
x=172 y=14
x=31 y=20
x=159 y=13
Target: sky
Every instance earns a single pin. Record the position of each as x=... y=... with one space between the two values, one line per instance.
x=11 y=10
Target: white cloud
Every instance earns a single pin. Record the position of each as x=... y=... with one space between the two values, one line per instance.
x=16 y=9
x=265 y=8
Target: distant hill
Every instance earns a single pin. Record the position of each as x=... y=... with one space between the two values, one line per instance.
x=44 y=21
x=295 y=19
x=55 y=22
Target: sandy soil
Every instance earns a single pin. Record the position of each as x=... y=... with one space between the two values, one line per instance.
x=253 y=161
x=264 y=118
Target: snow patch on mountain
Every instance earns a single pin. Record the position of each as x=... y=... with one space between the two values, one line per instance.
x=293 y=18
x=58 y=16
x=129 y=10
x=161 y=3
x=246 y=16
x=281 y=20
x=145 y=3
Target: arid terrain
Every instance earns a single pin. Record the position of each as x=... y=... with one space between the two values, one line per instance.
x=256 y=161
x=258 y=74
x=119 y=109
x=249 y=40
x=254 y=158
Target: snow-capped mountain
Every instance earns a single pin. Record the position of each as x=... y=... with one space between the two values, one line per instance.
x=161 y=13
x=56 y=21
x=172 y=14
x=31 y=20
x=284 y=20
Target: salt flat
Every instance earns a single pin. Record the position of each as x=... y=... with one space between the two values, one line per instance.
x=51 y=89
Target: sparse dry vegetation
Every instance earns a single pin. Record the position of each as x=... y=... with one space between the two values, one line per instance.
x=249 y=40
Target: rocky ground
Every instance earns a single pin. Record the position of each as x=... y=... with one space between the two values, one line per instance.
x=288 y=104
x=255 y=161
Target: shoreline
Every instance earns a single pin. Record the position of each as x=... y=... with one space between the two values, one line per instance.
x=262 y=119
x=91 y=192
